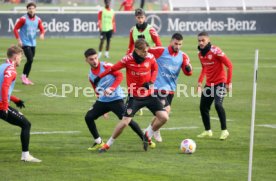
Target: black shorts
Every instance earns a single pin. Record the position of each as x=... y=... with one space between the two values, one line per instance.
x=100 y=108
x=133 y=104
x=106 y=34
x=166 y=99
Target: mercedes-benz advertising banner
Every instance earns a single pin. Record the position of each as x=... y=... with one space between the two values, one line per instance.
x=61 y=25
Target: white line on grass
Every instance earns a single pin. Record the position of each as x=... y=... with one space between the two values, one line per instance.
x=53 y=95
x=55 y=132
x=267 y=125
x=215 y=118
x=179 y=128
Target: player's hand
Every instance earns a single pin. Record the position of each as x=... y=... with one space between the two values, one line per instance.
x=106 y=116
x=188 y=68
x=108 y=91
x=20 y=104
x=148 y=85
x=19 y=43
x=96 y=80
x=41 y=36
x=229 y=87
x=4 y=114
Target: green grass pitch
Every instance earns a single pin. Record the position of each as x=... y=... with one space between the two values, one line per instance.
x=65 y=156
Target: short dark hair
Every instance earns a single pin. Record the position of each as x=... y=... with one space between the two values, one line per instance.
x=140 y=44
x=31 y=4
x=177 y=36
x=89 y=52
x=203 y=33
x=139 y=12
x=13 y=50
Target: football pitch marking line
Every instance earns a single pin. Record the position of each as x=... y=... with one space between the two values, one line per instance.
x=55 y=132
x=54 y=95
x=267 y=125
x=215 y=118
x=179 y=128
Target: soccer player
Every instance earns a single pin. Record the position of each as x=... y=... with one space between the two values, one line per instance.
x=170 y=61
x=26 y=38
x=141 y=71
x=142 y=30
x=110 y=97
x=127 y=5
x=213 y=62
x=7 y=113
x=107 y=25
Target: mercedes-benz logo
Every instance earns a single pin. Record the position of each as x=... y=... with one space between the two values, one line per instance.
x=155 y=22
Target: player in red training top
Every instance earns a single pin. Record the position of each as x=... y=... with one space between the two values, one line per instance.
x=107 y=26
x=170 y=61
x=110 y=97
x=28 y=24
x=141 y=71
x=213 y=61
x=142 y=30
x=7 y=113
x=127 y=4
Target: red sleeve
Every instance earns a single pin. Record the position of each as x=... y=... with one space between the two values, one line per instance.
x=155 y=38
x=100 y=20
x=17 y=27
x=226 y=61
x=186 y=61
x=114 y=68
x=156 y=51
x=9 y=76
x=15 y=99
x=131 y=42
x=154 y=70
x=202 y=75
x=40 y=26
x=118 y=78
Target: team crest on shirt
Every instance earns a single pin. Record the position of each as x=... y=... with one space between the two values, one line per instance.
x=210 y=57
x=146 y=64
x=129 y=111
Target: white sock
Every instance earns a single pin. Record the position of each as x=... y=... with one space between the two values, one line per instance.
x=150 y=131
x=98 y=140
x=209 y=131
x=25 y=154
x=99 y=54
x=110 y=141
x=107 y=54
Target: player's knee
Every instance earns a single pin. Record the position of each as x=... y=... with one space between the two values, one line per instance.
x=163 y=117
x=26 y=124
x=89 y=118
x=218 y=105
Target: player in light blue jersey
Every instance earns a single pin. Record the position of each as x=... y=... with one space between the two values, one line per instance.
x=170 y=61
x=28 y=25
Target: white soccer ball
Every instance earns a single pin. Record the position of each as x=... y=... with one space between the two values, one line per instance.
x=188 y=146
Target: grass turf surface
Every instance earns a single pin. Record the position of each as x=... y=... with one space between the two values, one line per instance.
x=65 y=156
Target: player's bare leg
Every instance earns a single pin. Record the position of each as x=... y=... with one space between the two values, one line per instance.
x=157 y=135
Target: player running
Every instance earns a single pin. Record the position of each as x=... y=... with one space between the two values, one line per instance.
x=170 y=61
x=110 y=97
x=28 y=25
x=141 y=71
x=7 y=113
x=213 y=61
